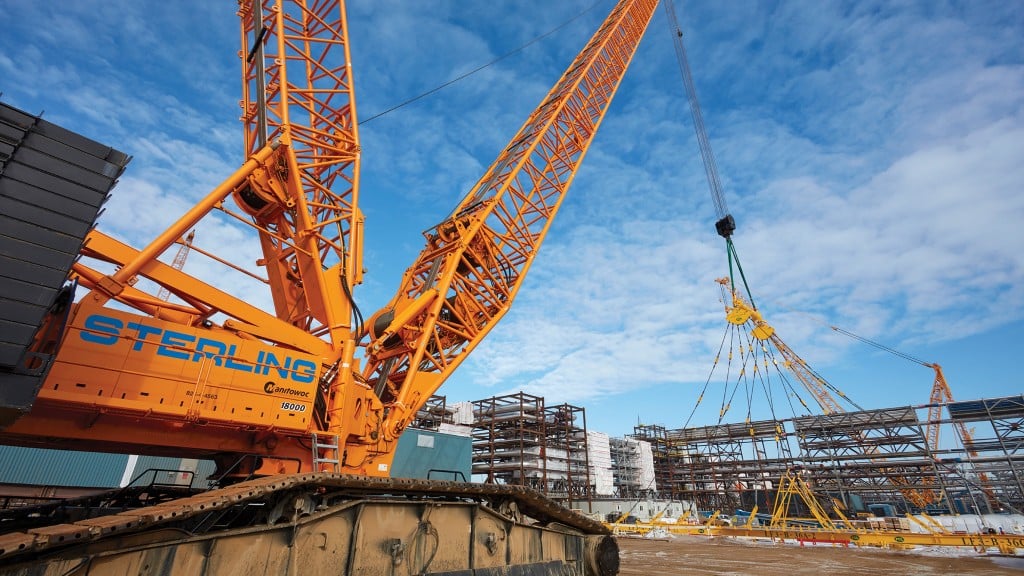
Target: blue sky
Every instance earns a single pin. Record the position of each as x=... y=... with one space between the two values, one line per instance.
x=871 y=153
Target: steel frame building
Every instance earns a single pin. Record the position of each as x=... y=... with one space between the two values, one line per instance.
x=518 y=440
x=993 y=459
x=862 y=458
x=721 y=467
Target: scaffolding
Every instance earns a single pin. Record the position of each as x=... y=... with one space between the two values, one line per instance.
x=566 y=440
x=517 y=440
x=669 y=460
x=633 y=470
x=433 y=414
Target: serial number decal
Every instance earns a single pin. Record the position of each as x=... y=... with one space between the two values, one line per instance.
x=207 y=395
x=293 y=407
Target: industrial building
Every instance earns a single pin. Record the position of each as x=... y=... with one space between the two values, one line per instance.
x=870 y=460
x=874 y=461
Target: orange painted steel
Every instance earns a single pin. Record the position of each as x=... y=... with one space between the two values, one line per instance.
x=209 y=375
x=297 y=87
x=474 y=261
x=942 y=395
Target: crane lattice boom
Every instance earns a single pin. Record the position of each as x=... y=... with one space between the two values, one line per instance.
x=210 y=375
x=297 y=90
x=475 y=260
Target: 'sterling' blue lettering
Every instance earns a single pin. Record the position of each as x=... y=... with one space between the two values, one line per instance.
x=143 y=331
x=205 y=343
x=109 y=326
x=304 y=370
x=229 y=362
x=106 y=331
x=176 y=339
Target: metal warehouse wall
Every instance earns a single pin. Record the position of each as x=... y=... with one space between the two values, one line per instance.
x=42 y=467
x=420 y=454
x=428 y=454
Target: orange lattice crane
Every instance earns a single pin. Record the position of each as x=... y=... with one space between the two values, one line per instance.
x=209 y=375
x=941 y=395
x=309 y=388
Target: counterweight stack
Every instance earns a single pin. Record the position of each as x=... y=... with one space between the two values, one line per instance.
x=53 y=184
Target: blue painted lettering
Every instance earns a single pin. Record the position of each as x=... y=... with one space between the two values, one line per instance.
x=229 y=362
x=142 y=331
x=304 y=370
x=271 y=361
x=202 y=349
x=177 y=340
x=110 y=328
x=105 y=331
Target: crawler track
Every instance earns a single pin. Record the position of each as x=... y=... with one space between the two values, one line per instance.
x=388 y=521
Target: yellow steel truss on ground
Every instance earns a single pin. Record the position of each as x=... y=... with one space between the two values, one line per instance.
x=1005 y=543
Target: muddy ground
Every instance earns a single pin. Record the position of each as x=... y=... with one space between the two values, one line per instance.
x=686 y=555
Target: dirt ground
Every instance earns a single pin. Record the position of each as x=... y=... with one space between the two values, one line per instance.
x=688 y=555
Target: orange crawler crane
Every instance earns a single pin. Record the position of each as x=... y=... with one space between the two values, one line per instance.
x=301 y=406
x=940 y=396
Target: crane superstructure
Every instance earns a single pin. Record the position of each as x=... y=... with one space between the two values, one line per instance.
x=310 y=389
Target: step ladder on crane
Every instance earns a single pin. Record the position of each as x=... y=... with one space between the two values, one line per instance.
x=326 y=457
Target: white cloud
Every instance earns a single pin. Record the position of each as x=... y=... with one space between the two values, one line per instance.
x=869 y=151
